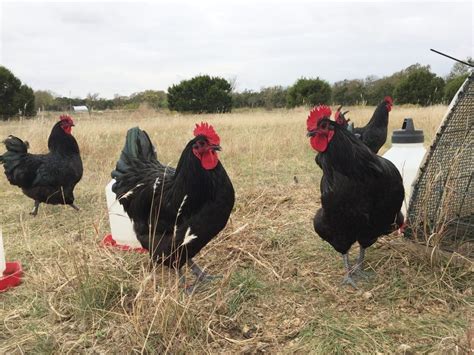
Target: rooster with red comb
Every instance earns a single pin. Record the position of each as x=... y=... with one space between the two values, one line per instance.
x=361 y=193
x=175 y=212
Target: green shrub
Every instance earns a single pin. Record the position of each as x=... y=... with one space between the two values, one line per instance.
x=348 y=92
x=201 y=94
x=452 y=86
x=420 y=87
x=309 y=92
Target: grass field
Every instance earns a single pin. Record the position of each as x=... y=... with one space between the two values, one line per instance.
x=280 y=291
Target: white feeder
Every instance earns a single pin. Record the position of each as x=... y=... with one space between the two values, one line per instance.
x=121 y=226
x=407 y=153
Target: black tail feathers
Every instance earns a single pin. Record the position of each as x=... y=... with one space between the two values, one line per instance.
x=138 y=145
x=14 y=146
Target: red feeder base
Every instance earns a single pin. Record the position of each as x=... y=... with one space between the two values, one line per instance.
x=109 y=241
x=11 y=276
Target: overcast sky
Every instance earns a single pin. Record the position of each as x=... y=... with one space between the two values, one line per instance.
x=124 y=47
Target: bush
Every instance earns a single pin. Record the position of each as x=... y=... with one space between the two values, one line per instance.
x=348 y=92
x=44 y=100
x=309 y=92
x=155 y=99
x=452 y=86
x=201 y=94
x=15 y=97
x=420 y=87
x=269 y=97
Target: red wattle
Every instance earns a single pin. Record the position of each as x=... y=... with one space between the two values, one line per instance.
x=319 y=143
x=209 y=160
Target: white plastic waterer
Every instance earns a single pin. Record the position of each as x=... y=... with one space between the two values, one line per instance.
x=407 y=153
x=121 y=226
x=3 y=264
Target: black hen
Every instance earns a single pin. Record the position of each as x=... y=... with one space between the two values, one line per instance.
x=374 y=133
x=48 y=178
x=361 y=193
x=185 y=207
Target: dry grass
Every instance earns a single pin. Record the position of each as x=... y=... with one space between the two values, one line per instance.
x=280 y=291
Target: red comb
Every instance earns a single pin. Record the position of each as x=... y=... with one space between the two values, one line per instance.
x=65 y=118
x=316 y=115
x=208 y=131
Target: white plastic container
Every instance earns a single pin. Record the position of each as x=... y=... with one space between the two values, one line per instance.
x=407 y=153
x=3 y=264
x=121 y=226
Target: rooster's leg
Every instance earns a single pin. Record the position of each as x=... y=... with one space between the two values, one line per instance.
x=188 y=289
x=360 y=260
x=200 y=274
x=35 y=208
x=348 y=277
x=74 y=206
x=359 y=267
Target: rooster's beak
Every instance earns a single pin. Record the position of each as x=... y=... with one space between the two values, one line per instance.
x=311 y=134
x=216 y=148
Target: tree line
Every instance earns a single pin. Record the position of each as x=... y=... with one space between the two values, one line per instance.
x=415 y=84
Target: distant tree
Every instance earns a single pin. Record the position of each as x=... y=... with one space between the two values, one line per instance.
x=43 y=100
x=452 y=86
x=421 y=86
x=348 y=92
x=25 y=101
x=201 y=94
x=66 y=103
x=155 y=99
x=274 y=97
x=15 y=97
x=377 y=89
x=91 y=100
x=309 y=92
x=459 y=72
x=247 y=98
x=459 y=69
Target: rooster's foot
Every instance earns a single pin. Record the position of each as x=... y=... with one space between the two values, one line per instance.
x=348 y=280
x=361 y=274
x=200 y=274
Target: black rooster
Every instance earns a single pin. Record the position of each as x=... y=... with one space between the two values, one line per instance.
x=374 y=133
x=361 y=193
x=184 y=207
x=48 y=178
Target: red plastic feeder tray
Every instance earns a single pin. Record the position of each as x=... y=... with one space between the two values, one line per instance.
x=11 y=276
x=109 y=241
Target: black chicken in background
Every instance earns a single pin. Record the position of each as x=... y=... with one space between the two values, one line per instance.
x=374 y=133
x=185 y=207
x=49 y=178
x=361 y=193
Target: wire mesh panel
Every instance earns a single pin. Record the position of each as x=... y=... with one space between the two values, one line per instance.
x=441 y=209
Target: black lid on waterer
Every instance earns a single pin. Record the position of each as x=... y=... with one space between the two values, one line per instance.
x=408 y=133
